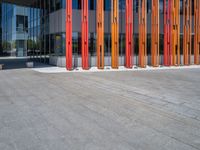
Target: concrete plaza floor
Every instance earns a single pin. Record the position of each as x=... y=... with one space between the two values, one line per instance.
x=144 y=110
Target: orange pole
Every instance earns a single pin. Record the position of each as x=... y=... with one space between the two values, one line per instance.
x=196 y=31
x=85 y=63
x=187 y=27
x=100 y=34
x=69 y=34
x=175 y=28
x=155 y=57
x=142 y=34
x=115 y=33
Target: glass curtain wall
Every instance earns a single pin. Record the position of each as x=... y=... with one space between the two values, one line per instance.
x=41 y=42
x=8 y=44
x=14 y=22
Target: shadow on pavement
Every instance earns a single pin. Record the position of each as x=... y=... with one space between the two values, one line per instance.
x=19 y=63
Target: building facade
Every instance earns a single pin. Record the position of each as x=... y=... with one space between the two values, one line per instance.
x=14 y=30
x=88 y=33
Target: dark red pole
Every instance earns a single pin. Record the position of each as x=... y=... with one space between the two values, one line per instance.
x=69 y=34
x=85 y=64
x=129 y=33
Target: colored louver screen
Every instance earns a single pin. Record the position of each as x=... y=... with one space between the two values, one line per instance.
x=171 y=44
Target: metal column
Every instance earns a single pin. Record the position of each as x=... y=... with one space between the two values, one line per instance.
x=115 y=33
x=155 y=57
x=167 y=33
x=175 y=29
x=100 y=34
x=69 y=34
x=187 y=30
x=196 y=31
x=84 y=24
x=142 y=34
x=129 y=33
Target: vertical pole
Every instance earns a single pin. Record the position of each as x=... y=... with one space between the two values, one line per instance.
x=187 y=29
x=129 y=33
x=69 y=34
x=100 y=34
x=167 y=33
x=142 y=34
x=175 y=28
x=155 y=57
x=115 y=33
x=196 y=31
x=84 y=44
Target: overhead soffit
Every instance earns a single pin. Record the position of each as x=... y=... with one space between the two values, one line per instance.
x=19 y=2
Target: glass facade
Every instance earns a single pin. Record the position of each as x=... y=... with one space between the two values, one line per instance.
x=14 y=22
x=39 y=30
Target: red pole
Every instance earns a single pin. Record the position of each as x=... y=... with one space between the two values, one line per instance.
x=167 y=33
x=155 y=53
x=85 y=64
x=69 y=34
x=129 y=33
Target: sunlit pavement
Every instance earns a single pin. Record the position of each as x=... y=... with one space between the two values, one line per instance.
x=121 y=110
